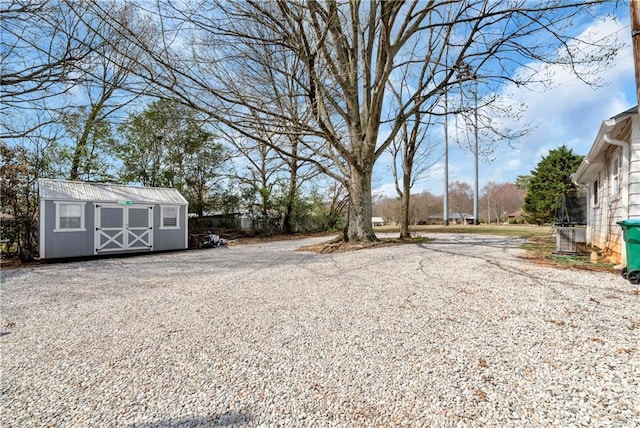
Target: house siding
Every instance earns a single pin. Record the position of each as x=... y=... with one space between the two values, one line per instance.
x=614 y=205
x=597 y=237
x=605 y=233
x=602 y=228
x=632 y=134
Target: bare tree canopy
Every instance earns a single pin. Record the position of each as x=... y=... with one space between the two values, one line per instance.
x=320 y=72
x=43 y=47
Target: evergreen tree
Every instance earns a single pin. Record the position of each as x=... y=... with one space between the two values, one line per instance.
x=550 y=180
x=166 y=146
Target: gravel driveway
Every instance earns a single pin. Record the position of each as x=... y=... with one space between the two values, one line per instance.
x=454 y=332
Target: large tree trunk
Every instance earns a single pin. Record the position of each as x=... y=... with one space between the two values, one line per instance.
x=404 y=202
x=359 y=227
x=287 y=221
x=80 y=150
x=82 y=143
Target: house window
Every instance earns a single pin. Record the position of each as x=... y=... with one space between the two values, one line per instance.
x=170 y=217
x=615 y=176
x=69 y=217
x=596 y=188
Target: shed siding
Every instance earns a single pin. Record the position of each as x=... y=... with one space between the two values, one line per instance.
x=67 y=244
x=169 y=239
x=133 y=237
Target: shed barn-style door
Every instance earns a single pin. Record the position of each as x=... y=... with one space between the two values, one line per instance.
x=122 y=228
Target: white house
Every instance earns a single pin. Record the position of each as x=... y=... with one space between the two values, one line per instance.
x=377 y=221
x=611 y=175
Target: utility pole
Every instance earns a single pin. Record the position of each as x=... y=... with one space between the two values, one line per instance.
x=476 y=220
x=445 y=198
x=635 y=40
x=465 y=72
x=445 y=218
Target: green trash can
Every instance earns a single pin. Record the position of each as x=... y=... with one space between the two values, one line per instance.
x=631 y=235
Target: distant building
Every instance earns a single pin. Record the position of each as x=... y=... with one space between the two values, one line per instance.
x=461 y=218
x=377 y=221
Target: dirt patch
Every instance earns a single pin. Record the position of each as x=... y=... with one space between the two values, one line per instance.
x=270 y=238
x=340 y=246
x=539 y=250
x=10 y=261
x=565 y=262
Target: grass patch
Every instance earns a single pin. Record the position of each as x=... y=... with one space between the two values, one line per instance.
x=523 y=231
x=540 y=250
x=540 y=245
x=580 y=262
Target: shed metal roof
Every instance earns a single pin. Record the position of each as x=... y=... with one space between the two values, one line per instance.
x=63 y=190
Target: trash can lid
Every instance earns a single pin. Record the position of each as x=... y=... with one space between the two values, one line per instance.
x=630 y=222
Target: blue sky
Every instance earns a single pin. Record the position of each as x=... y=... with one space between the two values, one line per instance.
x=570 y=112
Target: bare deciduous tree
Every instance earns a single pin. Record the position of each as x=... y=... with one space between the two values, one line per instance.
x=107 y=86
x=414 y=154
x=42 y=44
x=257 y=170
x=348 y=51
x=499 y=200
x=460 y=198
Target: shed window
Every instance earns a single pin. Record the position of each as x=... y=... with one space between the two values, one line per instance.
x=170 y=217
x=69 y=216
x=615 y=176
x=596 y=189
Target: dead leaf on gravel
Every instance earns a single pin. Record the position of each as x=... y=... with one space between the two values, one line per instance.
x=481 y=395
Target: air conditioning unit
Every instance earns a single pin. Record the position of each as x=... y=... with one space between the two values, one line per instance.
x=568 y=238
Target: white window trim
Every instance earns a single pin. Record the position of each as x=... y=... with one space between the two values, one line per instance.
x=162 y=209
x=82 y=216
x=615 y=189
x=595 y=202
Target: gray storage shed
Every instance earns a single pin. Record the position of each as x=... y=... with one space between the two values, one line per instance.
x=80 y=219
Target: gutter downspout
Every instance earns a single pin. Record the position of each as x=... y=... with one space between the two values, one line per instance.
x=625 y=184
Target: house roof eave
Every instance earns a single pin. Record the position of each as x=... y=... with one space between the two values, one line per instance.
x=589 y=165
x=585 y=170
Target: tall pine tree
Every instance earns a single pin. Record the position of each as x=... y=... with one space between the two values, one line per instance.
x=550 y=181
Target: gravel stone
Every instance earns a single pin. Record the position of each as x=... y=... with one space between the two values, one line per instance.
x=458 y=331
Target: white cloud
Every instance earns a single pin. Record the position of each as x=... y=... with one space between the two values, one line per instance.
x=514 y=164
x=386 y=189
x=569 y=112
